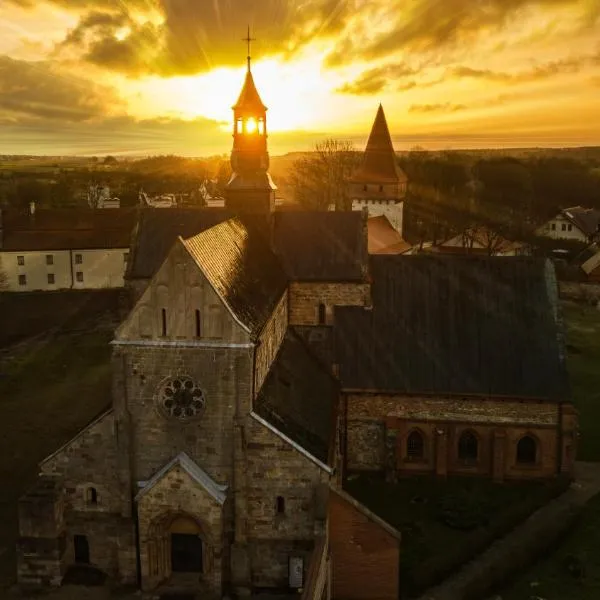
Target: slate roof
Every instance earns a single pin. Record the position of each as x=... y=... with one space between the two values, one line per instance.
x=242 y=269
x=586 y=219
x=157 y=231
x=66 y=229
x=298 y=398
x=379 y=162
x=249 y=98
x=321 y=246
x=456 y=325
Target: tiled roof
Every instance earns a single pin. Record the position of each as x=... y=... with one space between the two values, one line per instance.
x=298 y=399
x=66 y=229
x=157 y=231
x=379 y=162
x=242 y=270
x=321 y=246
x=456 y=325
x=383 y=238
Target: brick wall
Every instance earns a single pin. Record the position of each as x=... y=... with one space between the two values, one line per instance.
x=304 y=300
x=378 y=427
x=365 y=556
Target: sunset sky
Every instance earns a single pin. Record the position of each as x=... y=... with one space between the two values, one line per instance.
x=160 y=76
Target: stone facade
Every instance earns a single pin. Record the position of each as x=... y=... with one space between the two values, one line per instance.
x=378 y=427
x=306 y=297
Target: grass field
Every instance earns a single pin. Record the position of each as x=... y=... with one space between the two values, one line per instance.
x=49 y=389
x=583 y=358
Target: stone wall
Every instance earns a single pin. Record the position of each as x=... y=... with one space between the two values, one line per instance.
x=378 y=427
x=270 y=341
x=276 y=469
x=304 y=300
x=174 y=496
x=224 y=375
x=365 y=555
x=88 y=462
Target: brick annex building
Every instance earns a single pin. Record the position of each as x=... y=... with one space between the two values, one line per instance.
x=265 y=357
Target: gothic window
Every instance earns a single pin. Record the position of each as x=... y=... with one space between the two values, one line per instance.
x=280 y=505
x=415 y=445
x=468 y=446
x=92 y=496
x=322 y=314
x=181 y=398
x=527 y=450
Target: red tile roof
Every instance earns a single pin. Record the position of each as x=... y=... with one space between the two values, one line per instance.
x=66 y=229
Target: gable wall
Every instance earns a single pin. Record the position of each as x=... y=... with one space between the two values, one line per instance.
x=180 y=288
x=89 y=460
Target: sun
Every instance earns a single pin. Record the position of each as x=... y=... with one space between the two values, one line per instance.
x=294 y=93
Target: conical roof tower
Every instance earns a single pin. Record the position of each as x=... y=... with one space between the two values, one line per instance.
x=379 y=164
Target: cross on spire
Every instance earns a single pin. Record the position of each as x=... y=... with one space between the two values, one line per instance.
x=248 y=39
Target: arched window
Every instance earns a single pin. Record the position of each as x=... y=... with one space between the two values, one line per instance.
x=322 y=314
x=415 y=445
x=92 y=496
x=280 y=505
x=527 y=450
x=468 y=446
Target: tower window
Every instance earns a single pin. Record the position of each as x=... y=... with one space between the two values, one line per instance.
x=280 y=505
x=238 y=126
x=261 y=126
x=198 y=324
x=163 y=315
x=322 y=314
x=92 y=496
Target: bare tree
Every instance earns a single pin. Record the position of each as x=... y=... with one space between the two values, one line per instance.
x=319 y=181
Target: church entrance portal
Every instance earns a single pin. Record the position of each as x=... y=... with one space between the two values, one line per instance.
x=186 y=553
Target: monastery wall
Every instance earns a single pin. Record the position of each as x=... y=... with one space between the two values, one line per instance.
x=305 y=299
x=378 y=427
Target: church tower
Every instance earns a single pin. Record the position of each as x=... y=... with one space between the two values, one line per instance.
x=250 y=189
x=379 y=184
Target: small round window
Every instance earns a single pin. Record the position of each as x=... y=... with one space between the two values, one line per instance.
x=181 y=398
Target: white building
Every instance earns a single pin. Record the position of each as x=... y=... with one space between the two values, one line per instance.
x=575 y=223
x=64 y=249
x=379 y=184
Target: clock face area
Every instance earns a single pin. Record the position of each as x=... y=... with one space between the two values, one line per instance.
x=181 y=398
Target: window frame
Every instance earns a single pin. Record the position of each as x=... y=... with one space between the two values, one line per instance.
x=49 y=277
x=410 y=454
x=20 y=260
x=49 y=260
x=79 y=276
x=78 y=259
x=22 y=279
x=536 y=448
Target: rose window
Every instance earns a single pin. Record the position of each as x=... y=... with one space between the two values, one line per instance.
x=182 y=398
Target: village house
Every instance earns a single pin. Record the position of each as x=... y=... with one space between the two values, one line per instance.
x=267 y=356
x=59 y=249
x=575 y=223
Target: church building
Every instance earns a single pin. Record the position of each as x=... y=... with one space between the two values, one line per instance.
x=266 y=356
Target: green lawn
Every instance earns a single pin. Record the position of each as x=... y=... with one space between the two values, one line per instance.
x=49 y=389
x=583 y=354
x=465 y=514
x=572 y=572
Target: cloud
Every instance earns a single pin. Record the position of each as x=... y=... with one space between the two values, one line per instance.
x=41 y=90
x=184 y=37
x=446 y=107
x=425 y=25
x=378 y=79
x=544 y=71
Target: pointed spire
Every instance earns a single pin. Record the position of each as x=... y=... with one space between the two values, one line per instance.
x=249 y=98
x=379 y=161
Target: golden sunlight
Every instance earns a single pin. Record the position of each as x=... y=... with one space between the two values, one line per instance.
x=250 y=126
